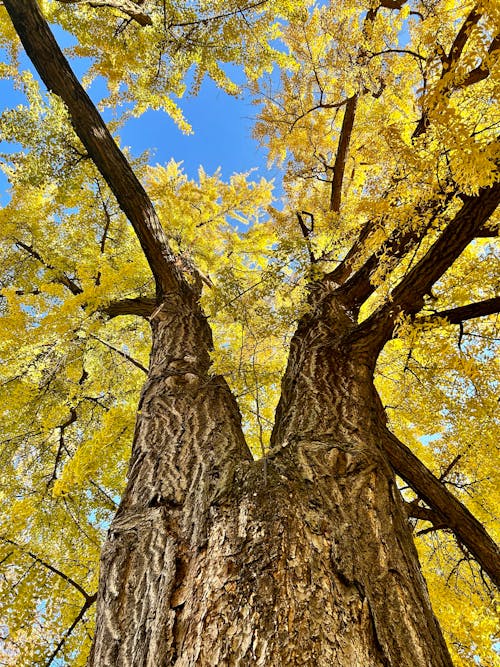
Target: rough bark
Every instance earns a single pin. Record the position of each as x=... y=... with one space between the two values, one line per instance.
x=304 y=558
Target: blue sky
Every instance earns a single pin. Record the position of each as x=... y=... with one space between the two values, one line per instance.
x=222 y=128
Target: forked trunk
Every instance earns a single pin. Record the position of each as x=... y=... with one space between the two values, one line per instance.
x=304 y=558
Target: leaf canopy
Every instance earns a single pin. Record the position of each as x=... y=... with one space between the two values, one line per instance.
x=421 y=80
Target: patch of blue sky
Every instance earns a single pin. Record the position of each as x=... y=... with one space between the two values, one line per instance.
x=222 y=128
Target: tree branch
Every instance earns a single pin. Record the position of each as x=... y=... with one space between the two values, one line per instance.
x=468 y=312
x=126 y=356
x=416 y=511
x=340 y=159
x=141 y=306
x=482 y=71
x=218 y=17
x=461 y=38
x=456 y=516
x=387 y=4
x=129 y=8
x=50 y=567
x=408 y=296
x=86 y=605
x=358 y=286
x=57 y=75
x=342 y=272
x=62 y=427
x=451 y=60
x=61 y=277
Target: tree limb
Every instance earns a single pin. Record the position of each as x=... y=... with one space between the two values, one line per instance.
x=358 y=286
x=126 y=356
x=387 y=4
x=408 y=295
x=468 y=312
x=340 y=159
x=456 y=516
x=141 y=306
x=342 y=272
x=57 y=75
x=416 y=511
x=461 y=38
x=482 y=71
x=129 y=8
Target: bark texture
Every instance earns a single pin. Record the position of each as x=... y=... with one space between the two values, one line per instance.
x=304 y=558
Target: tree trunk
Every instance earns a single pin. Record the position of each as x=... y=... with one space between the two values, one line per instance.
x=304 y=558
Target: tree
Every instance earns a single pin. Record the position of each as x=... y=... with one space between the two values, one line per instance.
x=373 y=290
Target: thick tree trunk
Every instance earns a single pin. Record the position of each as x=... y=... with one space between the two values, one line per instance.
x=304 y=558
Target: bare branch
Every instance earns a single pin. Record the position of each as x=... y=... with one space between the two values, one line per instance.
x=468 y=312
x=141 y=306
x=127 y=7
x=340 y=159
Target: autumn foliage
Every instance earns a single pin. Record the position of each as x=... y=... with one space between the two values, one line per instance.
x=384 y=119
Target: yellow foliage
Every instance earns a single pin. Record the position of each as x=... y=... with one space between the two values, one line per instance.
x=69 y=386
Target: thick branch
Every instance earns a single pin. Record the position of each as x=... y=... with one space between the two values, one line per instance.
x=387 y=4
x=57 y=75
x=455 y=515
x=340 y=160
x=451 y=243
x=359 y=286
x=408 y=296
x=470 y=311
x=482 y=71
x=461 y=38
x=141 y=306
x=416 y=511
x=129 y=8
